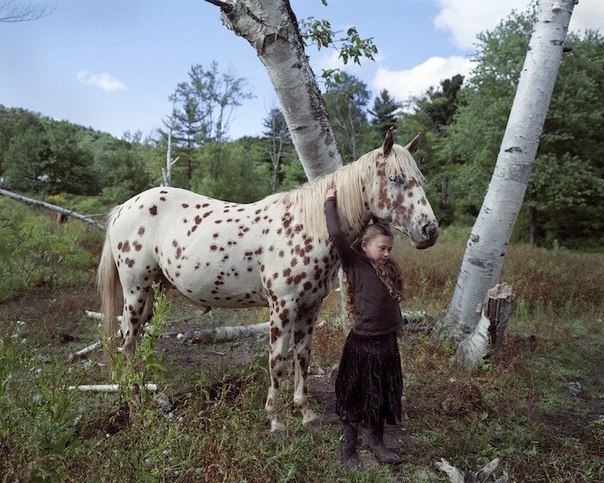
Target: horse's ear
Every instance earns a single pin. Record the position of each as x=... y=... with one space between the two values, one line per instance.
x=388 y=142
x=414 y=144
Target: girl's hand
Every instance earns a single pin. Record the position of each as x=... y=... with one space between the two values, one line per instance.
x=331 y=193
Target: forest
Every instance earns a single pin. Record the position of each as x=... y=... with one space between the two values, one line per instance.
x=462 y=122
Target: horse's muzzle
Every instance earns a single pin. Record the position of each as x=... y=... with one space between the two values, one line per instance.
x=425 y=235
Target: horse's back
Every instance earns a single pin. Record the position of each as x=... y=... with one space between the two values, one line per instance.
x=212 y=251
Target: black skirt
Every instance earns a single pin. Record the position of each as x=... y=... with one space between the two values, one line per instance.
x=369 y=385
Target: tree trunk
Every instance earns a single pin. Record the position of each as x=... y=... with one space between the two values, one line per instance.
x=271 y=27
x=492 y=230
x=167 y=171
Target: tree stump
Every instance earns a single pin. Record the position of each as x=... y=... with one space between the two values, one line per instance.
x=488 y=335
x=498 y=308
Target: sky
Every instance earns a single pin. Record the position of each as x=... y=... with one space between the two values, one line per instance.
x=112 y=64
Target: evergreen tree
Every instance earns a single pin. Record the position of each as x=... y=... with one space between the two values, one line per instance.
x=429 y=114
x=346 y=104
x=385 y=113
x=279 y=144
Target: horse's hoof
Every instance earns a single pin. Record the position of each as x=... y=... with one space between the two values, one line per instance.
x=277 y=426
x=279 y=435
x=313 y=425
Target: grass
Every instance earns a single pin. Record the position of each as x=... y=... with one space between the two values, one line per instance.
x=537 y=405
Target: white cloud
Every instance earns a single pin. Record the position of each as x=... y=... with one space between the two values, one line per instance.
x=464 y=19
x=413 y=82
x=103 y=81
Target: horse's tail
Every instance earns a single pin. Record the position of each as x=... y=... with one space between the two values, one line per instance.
x=110 y=289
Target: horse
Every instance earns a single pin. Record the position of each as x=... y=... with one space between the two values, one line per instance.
x=274 y=252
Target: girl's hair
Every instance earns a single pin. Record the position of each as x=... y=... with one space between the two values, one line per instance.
x=389 y=273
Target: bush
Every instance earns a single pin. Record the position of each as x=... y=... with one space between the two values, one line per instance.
x=36 y=251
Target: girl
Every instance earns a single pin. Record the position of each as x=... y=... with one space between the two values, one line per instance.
x=369 y=383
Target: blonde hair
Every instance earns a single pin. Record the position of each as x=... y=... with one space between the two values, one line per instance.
x=351 y=181
x=389 y=273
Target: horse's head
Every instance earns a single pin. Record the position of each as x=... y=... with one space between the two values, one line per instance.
x=397 y=194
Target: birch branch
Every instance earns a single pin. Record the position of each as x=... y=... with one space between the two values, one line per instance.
x=85 y=351
x=107 y=387
x=50 y=206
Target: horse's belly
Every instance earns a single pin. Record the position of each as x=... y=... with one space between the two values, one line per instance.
x=221 y=289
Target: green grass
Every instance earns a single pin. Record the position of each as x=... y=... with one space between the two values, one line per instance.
x=536 y=405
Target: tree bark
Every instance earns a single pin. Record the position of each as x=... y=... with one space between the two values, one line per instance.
x=271 y=28
x=492 y=230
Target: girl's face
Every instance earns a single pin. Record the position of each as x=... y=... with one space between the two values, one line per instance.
x=378 y=248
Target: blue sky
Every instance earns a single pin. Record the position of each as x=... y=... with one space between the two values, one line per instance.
x=112 y=64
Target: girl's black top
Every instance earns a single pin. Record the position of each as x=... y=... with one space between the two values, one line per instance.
x=377 y=312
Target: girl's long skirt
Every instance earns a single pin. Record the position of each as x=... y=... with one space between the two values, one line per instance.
x=369 y=384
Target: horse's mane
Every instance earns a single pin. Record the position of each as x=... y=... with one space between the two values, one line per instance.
x=350 y=182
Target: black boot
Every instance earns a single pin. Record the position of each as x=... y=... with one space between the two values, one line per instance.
x=375 y=441
x=348 y=446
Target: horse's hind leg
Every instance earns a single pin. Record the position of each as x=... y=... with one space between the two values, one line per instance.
x=138 y=308
x=302 y=347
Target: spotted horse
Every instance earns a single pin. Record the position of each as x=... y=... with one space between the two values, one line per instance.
x=274 y=252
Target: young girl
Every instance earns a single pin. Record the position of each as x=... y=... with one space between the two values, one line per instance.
x=369 y=383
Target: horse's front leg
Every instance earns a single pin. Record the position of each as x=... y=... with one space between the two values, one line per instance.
x=280 y=335
x=302 y=349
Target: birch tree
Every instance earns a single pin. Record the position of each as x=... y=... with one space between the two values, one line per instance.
x=271 y=28
x=485 y=250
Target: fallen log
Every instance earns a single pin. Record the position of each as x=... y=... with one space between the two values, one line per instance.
x=195 y=336
x=85 y=351
x=219 y=334
x=107 y=387
x=50 y=206
x=198 y=336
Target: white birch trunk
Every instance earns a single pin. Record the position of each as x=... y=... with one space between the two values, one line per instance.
x=492 y=230
x=167 y=171
x=271 y=27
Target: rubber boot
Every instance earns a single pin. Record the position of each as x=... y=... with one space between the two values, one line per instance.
x=348 y=446
x=375 y=441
